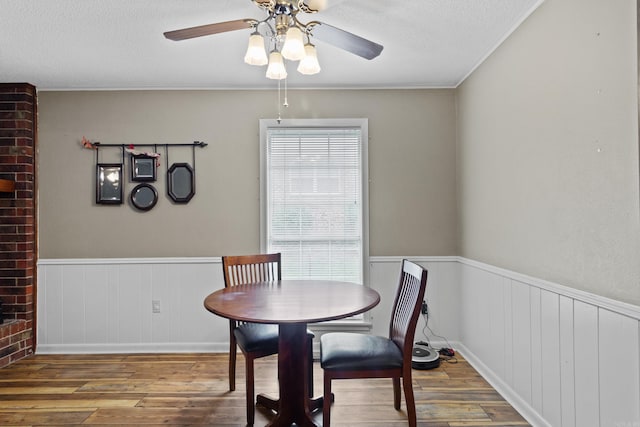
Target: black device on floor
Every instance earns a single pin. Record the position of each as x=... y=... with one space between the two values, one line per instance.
x=424 y=357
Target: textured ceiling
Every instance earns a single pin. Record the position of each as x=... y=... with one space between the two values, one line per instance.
x=118 y=44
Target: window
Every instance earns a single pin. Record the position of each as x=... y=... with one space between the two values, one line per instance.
x=313 y=197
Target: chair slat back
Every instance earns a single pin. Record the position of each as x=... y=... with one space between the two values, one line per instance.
x=407 y=304
x=244 y=269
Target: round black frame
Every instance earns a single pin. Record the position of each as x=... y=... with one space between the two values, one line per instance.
x=136 y=190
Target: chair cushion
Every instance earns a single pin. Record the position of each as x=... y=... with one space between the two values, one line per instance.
x=352 y=352
x=259 y=337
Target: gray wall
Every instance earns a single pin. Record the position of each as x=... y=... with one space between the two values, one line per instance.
x=546 y=160
x=548 y=150
x=411 y=169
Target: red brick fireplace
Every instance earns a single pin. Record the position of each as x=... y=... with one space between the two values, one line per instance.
x=18 y=228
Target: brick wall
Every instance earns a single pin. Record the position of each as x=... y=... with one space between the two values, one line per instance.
x=17 y=220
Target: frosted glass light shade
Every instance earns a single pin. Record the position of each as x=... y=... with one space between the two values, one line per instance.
x=256 y=55
x=276 y=70
x=293 y=48
x=309 y=64
x=317 y=5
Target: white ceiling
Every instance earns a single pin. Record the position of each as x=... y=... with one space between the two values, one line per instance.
x=118 y=44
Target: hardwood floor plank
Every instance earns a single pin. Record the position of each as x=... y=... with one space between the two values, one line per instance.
x=28 y=383
x=36 y=390
x=471 y=396
x=445 y=381
x=450 y=411
x=142 y=416
x=79 y=372
x=18 y=404
x=45 y=417
x=194 y=401
x=74 y=396
x=501 y=412
x=154 y=386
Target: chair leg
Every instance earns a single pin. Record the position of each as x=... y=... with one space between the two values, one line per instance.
x=250 y=390
x=410 y=399
x=396 y=393
x=232 y=361
x=326 y=401
x=310 y=367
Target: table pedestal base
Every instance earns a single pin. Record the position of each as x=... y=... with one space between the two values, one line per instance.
x=294 y=405
x=274 y=404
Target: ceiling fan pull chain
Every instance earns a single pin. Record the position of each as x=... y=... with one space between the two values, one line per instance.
x=279 y=108
x=286 y=102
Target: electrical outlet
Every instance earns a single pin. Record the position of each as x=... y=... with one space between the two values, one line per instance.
x=424 y=309
x=155 y=306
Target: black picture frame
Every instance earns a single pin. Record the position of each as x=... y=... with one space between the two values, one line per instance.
x=181 y=182
x=144 y=197
x=143 y=168
x=109 y=183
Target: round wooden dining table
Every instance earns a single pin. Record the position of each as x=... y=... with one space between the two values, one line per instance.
x=292 y=304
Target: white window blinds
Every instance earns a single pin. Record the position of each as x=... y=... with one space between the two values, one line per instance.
x=314 y=203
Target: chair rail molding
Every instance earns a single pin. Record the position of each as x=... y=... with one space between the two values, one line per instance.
x=619 y=307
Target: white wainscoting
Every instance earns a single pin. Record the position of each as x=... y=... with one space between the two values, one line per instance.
x=561 y=357
x=105 y=305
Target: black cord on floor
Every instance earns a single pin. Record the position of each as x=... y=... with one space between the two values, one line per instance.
x=447 y=354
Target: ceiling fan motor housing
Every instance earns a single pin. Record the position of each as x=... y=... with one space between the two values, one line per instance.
x=283 y=8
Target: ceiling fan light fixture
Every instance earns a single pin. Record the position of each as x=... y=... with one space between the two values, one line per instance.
x=309 y=64
x=256 y=54
x=293 y=48
x=285 y=36
x=276 y=69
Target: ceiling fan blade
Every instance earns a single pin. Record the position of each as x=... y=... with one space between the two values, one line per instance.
x=345 y=40
x=205 y=30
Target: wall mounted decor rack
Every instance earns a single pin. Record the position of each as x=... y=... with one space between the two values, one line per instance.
x=110 y=176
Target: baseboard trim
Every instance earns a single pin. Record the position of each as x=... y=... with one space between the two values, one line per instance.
x=132 y=348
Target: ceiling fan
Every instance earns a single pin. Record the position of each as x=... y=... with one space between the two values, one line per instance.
x=284 y=35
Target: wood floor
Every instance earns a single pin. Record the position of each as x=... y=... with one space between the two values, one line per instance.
x=192 y=390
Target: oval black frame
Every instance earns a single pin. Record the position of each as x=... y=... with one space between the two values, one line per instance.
x=170 y=185
x=148 y=206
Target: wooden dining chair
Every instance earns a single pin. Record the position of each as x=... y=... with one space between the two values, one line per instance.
x=351 y=355
x=254 y=339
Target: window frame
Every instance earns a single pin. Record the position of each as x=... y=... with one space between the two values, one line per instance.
x=362 y=124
